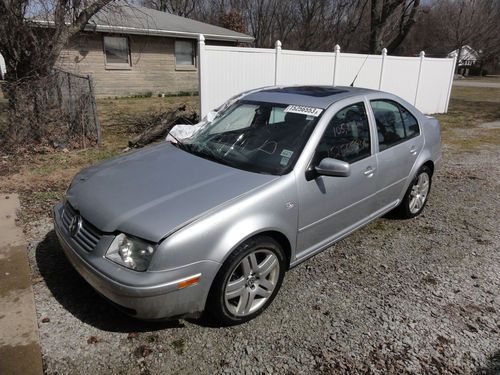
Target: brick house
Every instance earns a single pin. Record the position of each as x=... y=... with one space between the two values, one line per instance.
x=134 y=50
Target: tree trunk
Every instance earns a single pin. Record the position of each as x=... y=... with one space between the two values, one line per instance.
x=375 y=28
x=161 y=126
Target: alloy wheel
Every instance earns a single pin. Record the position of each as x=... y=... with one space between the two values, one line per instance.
x=252 y=282
x=419 y=192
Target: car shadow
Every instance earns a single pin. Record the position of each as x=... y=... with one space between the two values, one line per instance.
x=493 y=365
x=80 y=299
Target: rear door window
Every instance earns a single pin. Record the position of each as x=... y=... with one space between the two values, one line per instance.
x=411 y=124
x=395 y=124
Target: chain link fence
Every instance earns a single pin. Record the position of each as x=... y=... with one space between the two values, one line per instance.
x=57 y=110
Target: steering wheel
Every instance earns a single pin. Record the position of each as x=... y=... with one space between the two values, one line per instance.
x=238 y=152
x=262 y=137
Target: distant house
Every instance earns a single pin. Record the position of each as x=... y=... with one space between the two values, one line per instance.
x=3 y=70
x=467 y=58
x=134 y=50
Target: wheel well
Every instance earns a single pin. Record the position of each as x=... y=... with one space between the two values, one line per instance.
x=429 y=164
x=283 y=241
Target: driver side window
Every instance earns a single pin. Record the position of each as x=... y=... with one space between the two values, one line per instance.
x=347 y=136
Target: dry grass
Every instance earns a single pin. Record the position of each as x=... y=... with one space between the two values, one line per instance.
x=41 y=179
x=490 y=78
x=469 y=108
x=119 y=117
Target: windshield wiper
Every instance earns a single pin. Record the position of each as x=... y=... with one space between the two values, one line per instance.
x=209 y=154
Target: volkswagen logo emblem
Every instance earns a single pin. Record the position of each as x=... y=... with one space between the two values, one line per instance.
x=75 y=225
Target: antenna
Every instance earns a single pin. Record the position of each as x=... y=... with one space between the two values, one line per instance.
x=359 y=71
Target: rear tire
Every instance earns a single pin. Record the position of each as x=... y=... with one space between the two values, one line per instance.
x=247 y=282
x=417 y=195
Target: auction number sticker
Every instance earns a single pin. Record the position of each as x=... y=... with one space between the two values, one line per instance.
x=300 y=109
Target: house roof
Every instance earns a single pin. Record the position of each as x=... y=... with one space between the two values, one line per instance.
x=135 y=19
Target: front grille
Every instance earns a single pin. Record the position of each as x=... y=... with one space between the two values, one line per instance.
x=87 y=236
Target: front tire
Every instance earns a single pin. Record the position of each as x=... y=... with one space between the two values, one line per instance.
x=417 y=194
x=247 y=282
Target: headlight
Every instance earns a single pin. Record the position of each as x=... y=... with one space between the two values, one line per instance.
x=130 y=252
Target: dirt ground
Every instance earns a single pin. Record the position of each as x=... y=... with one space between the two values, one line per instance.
x=397 y=297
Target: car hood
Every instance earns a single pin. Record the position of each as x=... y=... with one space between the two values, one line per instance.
x=155 y=191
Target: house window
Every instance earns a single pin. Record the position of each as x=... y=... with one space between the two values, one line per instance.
x=185 y=56
x=116 y=51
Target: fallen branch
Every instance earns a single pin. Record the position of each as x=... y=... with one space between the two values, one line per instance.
x=160 y=125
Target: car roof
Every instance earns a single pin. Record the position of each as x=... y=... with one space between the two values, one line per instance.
x=311 y=96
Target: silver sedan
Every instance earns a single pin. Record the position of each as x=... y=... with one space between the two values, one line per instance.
x=212 y=222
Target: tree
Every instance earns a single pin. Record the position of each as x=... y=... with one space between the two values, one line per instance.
x=233 y=20
x=183 y=8
x=31 y=50
x=471 y=22
x=390 y=23
x=32 y=36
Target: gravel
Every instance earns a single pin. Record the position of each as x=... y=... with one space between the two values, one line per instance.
x=397 y=297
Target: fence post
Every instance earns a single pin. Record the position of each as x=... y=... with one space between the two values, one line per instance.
x=70 y=103
x=422 y=56
x=277 y=61
x=384 y=55
x=94 y=109
x=451 y=82
x=337 y=59
x=201 y=76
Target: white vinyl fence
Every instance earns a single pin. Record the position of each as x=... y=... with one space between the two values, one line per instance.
x=227 y=71
x=2 y=67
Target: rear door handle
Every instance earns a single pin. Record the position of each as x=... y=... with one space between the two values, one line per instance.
x=369 y=171
x=413 y=150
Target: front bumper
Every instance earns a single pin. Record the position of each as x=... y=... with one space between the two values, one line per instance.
x=145 y=295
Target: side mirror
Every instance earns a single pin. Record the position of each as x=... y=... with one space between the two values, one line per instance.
x=333 y=167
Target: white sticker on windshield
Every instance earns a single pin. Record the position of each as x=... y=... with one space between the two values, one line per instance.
x=286 y=153
x=308 y=111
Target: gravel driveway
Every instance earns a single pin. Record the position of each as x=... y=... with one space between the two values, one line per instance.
x=397 y=297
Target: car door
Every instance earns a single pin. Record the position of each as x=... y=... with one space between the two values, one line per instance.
x=332 y=206
x=399 y=143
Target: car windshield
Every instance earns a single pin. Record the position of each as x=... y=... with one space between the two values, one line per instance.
x=256 y=136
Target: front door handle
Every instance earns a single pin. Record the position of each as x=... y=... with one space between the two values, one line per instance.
x=413 y=150
x=369 y=172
